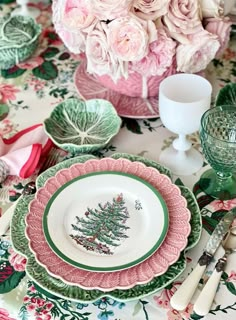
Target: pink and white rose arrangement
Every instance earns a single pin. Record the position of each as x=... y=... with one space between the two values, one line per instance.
x=124 y=37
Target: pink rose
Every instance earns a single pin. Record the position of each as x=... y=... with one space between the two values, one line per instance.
x=159 y=58
x=7 y=92
x=150 y=9
x=100 y=59
x=128 y=38
x=183 y=19
x=4 y=315
x=77 y=16
x=75 y=42
x=220 y=27
x=197 y=54
x=74 y=39
x=214 y=8
x=109 y=9
x=17 y=261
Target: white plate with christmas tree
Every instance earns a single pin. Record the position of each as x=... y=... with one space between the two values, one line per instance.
x=105 y=221
x=157 y=264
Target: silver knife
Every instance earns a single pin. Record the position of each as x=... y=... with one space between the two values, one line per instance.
x=183 y=295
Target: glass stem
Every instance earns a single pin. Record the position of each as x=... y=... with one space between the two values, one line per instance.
x=181 y=143
x=223 y=179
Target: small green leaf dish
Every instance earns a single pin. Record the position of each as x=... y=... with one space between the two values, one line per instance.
x=19 y=36
x=226 y=95
x=79 y=126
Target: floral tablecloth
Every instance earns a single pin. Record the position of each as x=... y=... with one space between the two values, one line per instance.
x=31 y=90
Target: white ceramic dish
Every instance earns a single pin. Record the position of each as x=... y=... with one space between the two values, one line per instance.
x=104 y=221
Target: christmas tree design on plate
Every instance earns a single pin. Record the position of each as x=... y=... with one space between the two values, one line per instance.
x=103 y=228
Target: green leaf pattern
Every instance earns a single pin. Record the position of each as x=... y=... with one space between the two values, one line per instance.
x=18 y=39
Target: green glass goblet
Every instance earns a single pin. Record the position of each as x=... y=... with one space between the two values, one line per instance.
x=218 y=140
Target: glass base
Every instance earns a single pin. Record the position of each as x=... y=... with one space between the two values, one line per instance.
x=183 y=163
x=219 y=189
x=30 y=12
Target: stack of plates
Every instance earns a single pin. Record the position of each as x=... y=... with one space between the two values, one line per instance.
x=113 y=227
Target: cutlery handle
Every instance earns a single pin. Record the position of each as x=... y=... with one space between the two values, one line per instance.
x=5 y=219
x=183 y=295
x=205 y=299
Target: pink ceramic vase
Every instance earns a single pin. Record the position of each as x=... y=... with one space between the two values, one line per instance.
x=136 y=85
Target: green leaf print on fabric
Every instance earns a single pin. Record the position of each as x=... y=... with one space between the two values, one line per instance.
x=9 y=278
x=137 y=308
x=231 y=287
x=6 y=1
x=4 y=110
x=210 y=222
x=64 y=56
x=224 y=310
x=132 y=125
x=179 y=182
x=195 y=316
x=13 y=72
x=46 y=71
x=50 y=52
x=58 y=92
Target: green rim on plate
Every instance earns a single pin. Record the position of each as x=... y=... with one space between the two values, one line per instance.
x=51 y=285
x=108 y=267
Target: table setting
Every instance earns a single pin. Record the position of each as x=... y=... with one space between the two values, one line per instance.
x=117 y=160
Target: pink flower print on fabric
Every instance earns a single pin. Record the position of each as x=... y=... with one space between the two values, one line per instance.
x=16 y=260
x=38 y=307
x=4 y=315
x=223 y=205
x=173 y=314
x=232 y=277
x=7 y=92
x=7 y=128
x=163 y=301
x=31 y=63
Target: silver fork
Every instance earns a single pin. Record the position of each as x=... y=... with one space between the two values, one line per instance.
x=30 y=188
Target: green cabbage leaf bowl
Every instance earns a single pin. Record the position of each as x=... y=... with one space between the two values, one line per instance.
x=226 y=95
x=79 y=126
x=19 y=36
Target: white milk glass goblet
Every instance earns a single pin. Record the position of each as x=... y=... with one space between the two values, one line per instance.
x=25 y=10
x=183 y=98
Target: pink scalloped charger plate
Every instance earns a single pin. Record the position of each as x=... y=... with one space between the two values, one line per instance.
x=89 y=87
x=157 y=264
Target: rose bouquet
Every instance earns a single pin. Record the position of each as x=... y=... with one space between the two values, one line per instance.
x=131 y=45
